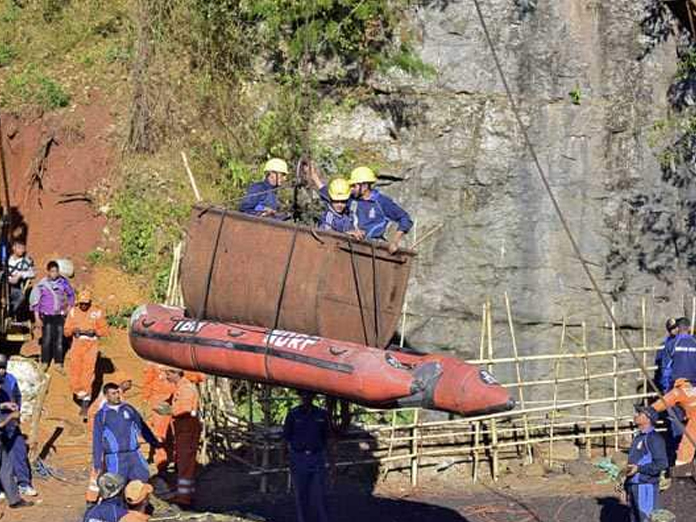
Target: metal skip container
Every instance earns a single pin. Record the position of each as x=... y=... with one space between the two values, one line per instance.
x=256 y=271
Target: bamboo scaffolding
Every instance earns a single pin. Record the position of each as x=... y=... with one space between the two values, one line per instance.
x=586 y=390
x=494 y=423
x=615 y=367
x=556 y=370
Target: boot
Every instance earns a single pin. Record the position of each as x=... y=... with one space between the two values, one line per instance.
x=84 y=408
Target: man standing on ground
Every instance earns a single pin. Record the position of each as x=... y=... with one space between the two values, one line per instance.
x=7 y=476
x=12 y=437
x=86 y=323
x=20 y=268
x=115 y=445
x=663 y=357
x=306 y=431
x=50 y=301
x=187 y=431
x=647 y=458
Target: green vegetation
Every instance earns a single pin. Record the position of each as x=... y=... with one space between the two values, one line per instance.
x=575 y=96
x=7 y=54
x=121 y=317
x=31 y=86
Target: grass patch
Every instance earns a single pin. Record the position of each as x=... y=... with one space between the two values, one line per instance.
x=7 y=54
x=32 y=86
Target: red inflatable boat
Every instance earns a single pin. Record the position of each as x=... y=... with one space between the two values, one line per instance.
x=368 y=376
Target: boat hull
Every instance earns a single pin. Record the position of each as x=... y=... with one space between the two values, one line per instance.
x=361 y=374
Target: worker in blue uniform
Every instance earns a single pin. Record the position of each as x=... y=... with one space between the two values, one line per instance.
x=306 y=431
x=336 y=215
x=261 y=198
x=663 y=357
x=115 y=439
x=683 y=354
x=647 y=458
x=112 y=506
x=372 y=211
x=13 y=439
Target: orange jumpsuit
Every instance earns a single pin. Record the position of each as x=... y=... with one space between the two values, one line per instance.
x=684 y=396
x=85 y=328
x=92 y=494
x=187 y=432
x=156 y=390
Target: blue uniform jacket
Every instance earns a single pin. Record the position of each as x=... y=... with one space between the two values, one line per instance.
x=683 y=355
x=648 y=452
x=307 y=433
x=117 y=431
x=373 y=215
x=259 y=197
x=332 y=220
x=111 y=510
x=663 y=361
x=10 y=392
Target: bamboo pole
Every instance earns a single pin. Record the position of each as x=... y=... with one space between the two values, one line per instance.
x=494 y=432
x=192 y=180
x=615 y=367
x=556 y=370
x=644 y=329
x=693 y=313
x=518 y=374
x=477 y=456
x=553 y=357
x=586 y=371
x=265 y=456
x=414 y=448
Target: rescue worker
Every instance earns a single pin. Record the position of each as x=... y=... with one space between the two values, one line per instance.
x=647 y=458
x=7 y=475
x=115 y=446
x=12 y=437
x=186 y=428
x=261 y=198
x=337 y=216
x=20 y=270
x=306 y=431
x=683 y=354
x=137 y=497
x=372 y=211
x=682 y=395
x=111 y=507
x=663 y=361
x=86 y=323
x=50 y=300
x=156 y=390
x=124 y=382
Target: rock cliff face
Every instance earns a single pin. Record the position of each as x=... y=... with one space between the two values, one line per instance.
x=455 y=143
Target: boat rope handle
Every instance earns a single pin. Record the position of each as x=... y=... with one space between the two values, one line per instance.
x=356 y=279
x=279 y=304
x=375 y=293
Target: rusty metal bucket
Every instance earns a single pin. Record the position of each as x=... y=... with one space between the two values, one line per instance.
x=236 y=266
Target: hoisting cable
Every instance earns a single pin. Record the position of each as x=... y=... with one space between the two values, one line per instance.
x=279 y=303
x=4 y=237
x=375 y=293
x=356 y=279
x=566 y=227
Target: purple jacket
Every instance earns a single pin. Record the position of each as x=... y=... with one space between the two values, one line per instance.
x=52 y=297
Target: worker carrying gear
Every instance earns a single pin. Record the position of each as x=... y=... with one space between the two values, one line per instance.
x=186 y=427
x=157 y=390
x=20 y=271
x=85 y=323
x=7 y=475
x=261 y=198
x=13 y=440
x=50 y=300
x=115 y=445
x=125 y=383
x=306 y=431
x=647 y=459
x=372 y=211
x=112 y=507
x=137 y=495
x=683 y=395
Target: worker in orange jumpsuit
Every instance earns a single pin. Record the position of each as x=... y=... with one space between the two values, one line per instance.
x=85 y=323
x=683 y=395
x=125 y=382
x=187 y=431
x=157 y=390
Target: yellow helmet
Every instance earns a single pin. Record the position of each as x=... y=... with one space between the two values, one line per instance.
x=362 y=175
x=339 y=190
x=84 y=297
x=276 y=165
